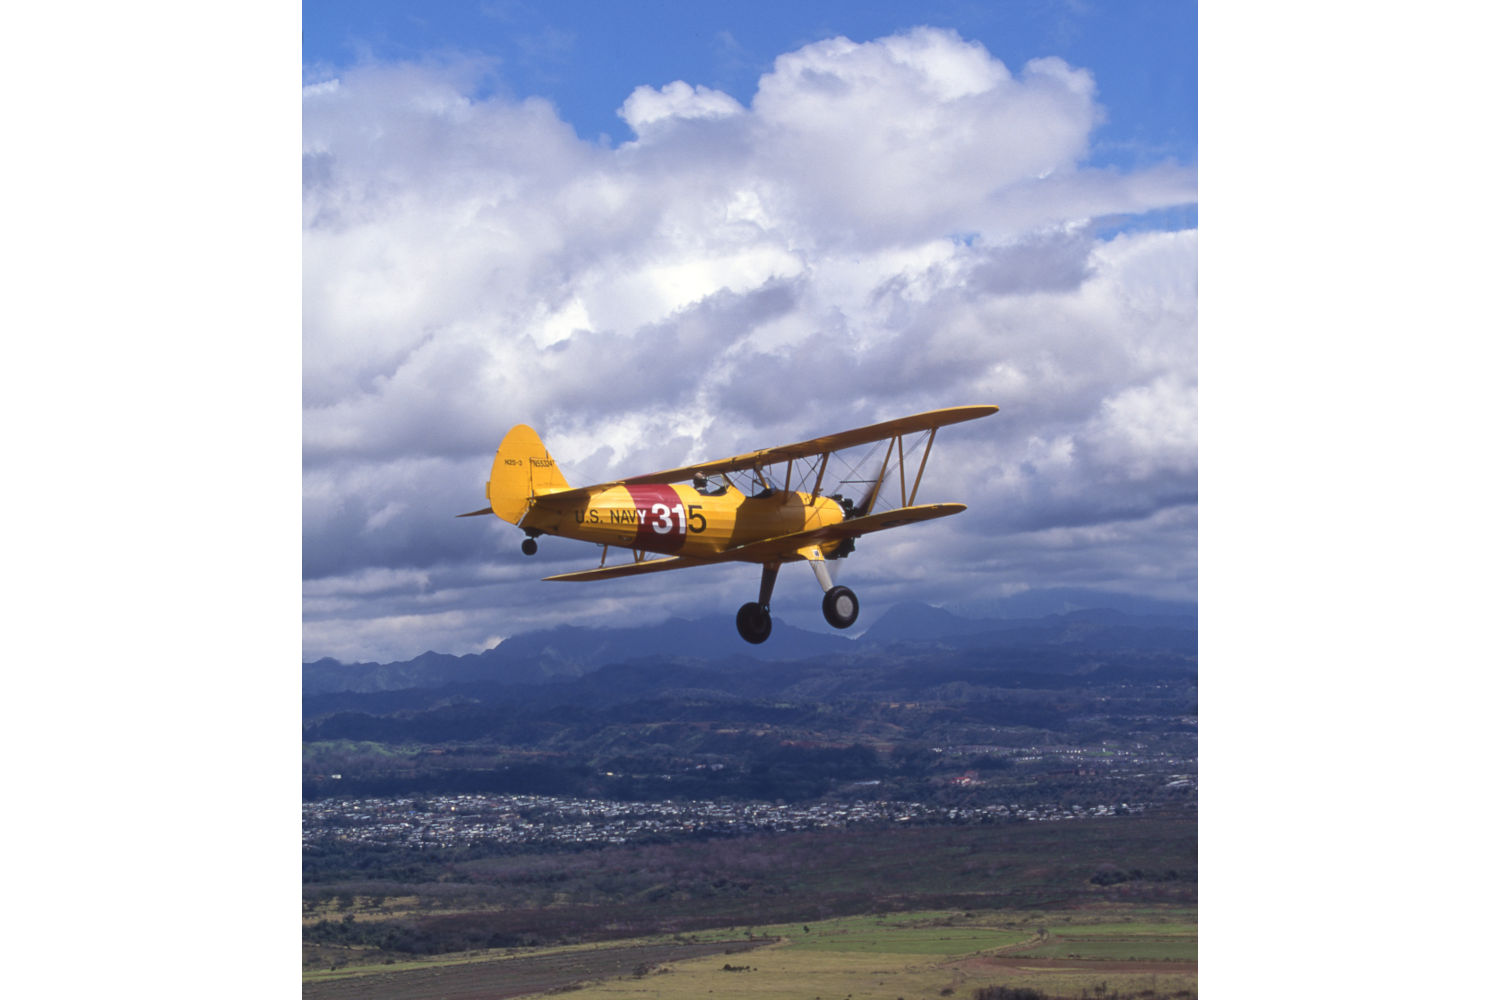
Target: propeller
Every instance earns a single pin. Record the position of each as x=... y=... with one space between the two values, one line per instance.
x=852 y=510
x=867 y=502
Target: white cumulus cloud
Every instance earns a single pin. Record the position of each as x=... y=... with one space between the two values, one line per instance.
x=886 y=227
x=647 y=106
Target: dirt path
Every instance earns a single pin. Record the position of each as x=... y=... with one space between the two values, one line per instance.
x=983 y=962
x=500 y=978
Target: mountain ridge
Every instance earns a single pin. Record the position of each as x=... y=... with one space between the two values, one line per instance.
x=569 y=652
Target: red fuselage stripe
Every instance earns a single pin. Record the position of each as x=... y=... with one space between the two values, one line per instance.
x=662 y=520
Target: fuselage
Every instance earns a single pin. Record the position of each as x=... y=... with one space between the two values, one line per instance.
x=680 y=520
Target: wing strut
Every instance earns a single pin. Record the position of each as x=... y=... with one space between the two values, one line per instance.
x=639 y=556
x=909 y=501
x=822 y=468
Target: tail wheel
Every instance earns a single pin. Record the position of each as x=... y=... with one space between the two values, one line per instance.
x=840 y=607
x=529 y=546
x=754 y=622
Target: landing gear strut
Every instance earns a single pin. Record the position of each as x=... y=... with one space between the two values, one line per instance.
x=754 y=619
x=840 y=606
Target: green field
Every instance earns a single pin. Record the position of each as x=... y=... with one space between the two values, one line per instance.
x=934 y=933
x=1146 y=941
x=1134 y=952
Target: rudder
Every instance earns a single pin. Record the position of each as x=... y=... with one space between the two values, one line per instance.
x=522 y=469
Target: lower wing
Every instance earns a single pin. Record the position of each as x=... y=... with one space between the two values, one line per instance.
x=782 y=548
x=633 y=568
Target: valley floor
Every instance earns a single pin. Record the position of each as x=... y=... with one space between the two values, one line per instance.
x=1123 y=951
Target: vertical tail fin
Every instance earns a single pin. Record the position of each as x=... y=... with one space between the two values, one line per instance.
x=522 y=469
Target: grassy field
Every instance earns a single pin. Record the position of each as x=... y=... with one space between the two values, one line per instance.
x=401 y=907
x=1128 y=951
x=1089 y=908
x=933 y=933
x=1140 y=941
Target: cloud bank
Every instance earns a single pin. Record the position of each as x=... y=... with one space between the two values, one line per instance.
x=887 y=227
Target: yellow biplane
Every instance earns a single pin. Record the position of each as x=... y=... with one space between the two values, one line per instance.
x=696 y=515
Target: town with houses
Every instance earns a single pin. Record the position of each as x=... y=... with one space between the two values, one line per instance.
x=435 y=821
x=443 y=821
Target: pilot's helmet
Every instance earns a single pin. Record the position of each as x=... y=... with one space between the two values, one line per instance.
x=700 y=480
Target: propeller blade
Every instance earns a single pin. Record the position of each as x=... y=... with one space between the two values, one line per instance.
x=871 y=495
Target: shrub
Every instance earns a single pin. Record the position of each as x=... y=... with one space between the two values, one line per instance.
x=1008 y=993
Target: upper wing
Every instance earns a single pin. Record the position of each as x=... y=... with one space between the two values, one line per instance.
x=930 y=420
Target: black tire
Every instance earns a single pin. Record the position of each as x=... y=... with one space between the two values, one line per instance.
x=754 y=622
x=840 y=607
x=529 y=546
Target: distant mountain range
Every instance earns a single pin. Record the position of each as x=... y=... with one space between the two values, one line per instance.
x=1078 y=620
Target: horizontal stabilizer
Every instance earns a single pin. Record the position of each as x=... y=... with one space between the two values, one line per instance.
x=476 y=513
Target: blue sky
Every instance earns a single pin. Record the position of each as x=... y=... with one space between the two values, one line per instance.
x=833 y=214
x=586 y=57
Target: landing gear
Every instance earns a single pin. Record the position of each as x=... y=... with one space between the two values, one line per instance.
x=840 y=607
x=754 y=619
x=529 y=546
x=754 y=622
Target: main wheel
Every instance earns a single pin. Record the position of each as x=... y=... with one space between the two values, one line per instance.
x=840 y=607
x=754 y=622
